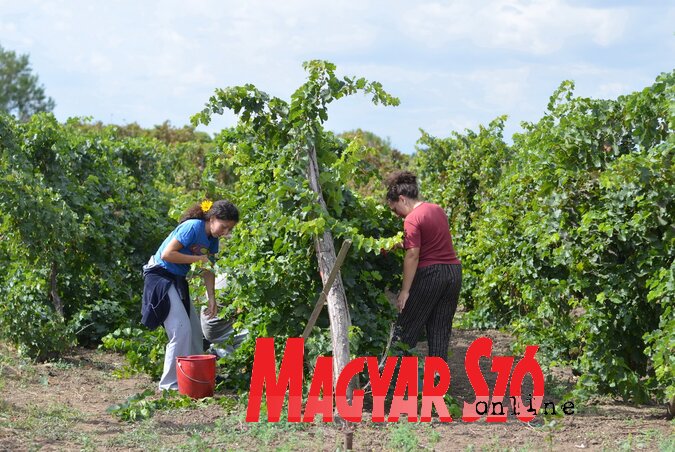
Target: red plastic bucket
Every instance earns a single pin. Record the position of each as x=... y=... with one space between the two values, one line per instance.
x=196 y=375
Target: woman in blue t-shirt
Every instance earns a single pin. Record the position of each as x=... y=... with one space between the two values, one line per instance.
x=195 y=239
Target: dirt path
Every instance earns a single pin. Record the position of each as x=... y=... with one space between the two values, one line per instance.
x=62 y=406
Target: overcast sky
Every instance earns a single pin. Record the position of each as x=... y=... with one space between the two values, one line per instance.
x=453 y=64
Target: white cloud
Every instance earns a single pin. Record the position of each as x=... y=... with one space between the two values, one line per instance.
x=295 y=26
x=486 y=89
x=501 y=89
x=99 y=62
x=442 y=126
x=613 y=90
x=7 y=27
x=538 y=27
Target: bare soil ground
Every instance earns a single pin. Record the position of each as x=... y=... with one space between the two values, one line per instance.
x=62 y=406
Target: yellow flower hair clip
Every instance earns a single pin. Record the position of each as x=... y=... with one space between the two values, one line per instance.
x=206 y=205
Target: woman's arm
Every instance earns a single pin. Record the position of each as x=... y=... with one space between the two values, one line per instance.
x=171 y=254
x=412 y=258
x=210 y=283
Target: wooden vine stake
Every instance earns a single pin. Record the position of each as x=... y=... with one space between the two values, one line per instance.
x=338 y=310
x=326 y=288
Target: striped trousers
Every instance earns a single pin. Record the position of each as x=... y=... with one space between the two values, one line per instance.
x=432 y=303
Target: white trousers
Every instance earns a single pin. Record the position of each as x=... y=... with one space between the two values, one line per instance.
x=185 y=338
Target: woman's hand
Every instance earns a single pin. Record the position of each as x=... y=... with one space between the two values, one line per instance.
x=211 y=309
x=397 y=246
x=210 y=283
x=402 y=299
x=410 y=261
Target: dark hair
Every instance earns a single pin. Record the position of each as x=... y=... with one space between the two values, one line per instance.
x=402 y=183
x=223 y=210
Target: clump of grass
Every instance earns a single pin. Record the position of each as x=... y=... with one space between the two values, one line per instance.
x=143 y=436
x=403 y=437
x=41 y=424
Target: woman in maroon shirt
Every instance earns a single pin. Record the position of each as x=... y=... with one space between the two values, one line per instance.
x=432 y=273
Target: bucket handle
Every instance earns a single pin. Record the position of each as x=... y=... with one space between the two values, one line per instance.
x=180 y=367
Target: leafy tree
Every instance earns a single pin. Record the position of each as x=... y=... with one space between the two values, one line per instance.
x=271 y=259
x=459 y=173
x=462 y=169
x=184 y=157
x=379 y=160
x=20 y=92
x=80 y=212
x=575 y=245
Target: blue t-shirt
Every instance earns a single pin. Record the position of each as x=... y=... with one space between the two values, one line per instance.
x=192 y=235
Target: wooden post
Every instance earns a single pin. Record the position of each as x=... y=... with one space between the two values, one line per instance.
x=349 y=440
x=338 y=311
x=324 y=293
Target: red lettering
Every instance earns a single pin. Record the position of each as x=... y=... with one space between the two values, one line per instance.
x=528 y=365
x=322 y=380
x=407 y=378
x=264 y=375
x=380 y=384
x=405 y=401
x=479 y=348
x=353 y=412
x=502 y=365
x=433 y=395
